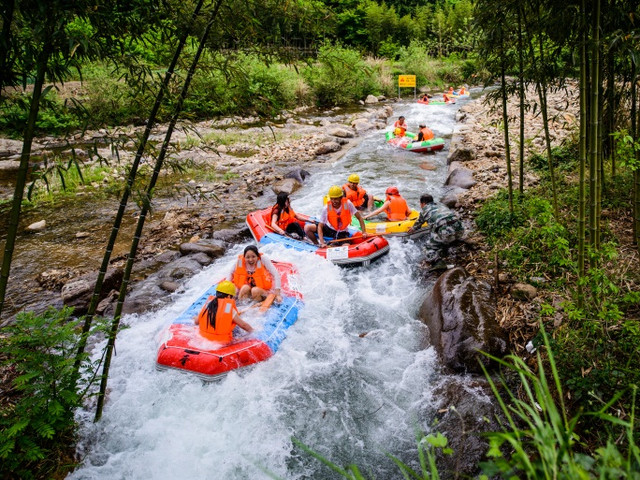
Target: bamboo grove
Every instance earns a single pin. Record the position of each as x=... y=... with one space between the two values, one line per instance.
x=590 y=49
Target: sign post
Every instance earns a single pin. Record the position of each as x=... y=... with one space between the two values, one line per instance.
x=407 y=81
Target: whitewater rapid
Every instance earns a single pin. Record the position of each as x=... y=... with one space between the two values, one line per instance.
x=352 y=380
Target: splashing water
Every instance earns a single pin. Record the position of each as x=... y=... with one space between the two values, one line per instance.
x=351 y=380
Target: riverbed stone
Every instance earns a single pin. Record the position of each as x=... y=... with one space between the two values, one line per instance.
x=299 y=174
x=9 y=166
x=460 y=315
x=362 y=124
x=524 y=291
x=78 y=292
x=327 y=147
x=463 y=154
x=36 y=227
x=341 y=132
x=212 y=251
x=288 y=185
x=466 y=410
x=450 y=200
x=461 y=177
x=371 y=99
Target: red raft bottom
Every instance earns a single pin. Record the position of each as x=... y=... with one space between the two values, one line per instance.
x=187 y=350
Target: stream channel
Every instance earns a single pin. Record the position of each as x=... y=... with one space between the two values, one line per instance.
x=353 y=398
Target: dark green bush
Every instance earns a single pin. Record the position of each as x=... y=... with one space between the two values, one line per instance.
x=37 y=428
x=54 y=117
x=563 y=157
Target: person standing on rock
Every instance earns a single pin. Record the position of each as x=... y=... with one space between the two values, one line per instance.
x=254 y=275
x=444 y=227
x=356 y=194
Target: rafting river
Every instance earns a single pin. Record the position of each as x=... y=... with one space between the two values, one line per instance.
x=351 y=397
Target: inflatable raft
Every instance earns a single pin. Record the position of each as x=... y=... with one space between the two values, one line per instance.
x=437 y=102
x=407 y=143
x=393 y=229
x=360 y=252
x=183 y=348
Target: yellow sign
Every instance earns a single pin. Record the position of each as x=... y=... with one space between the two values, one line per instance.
x=406 y=80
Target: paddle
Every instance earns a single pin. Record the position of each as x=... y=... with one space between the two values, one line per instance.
x=338 y=240
x=285 y=234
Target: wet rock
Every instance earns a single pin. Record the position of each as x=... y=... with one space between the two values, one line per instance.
x=53 y=279
x=341 y=132
x=10 y=147
x=202 y=258
x=327 y=147
x=80 y=235
x=299 y=174
x=450 y=200
x=361 y=125
x=36 y=227
x=460 y=315
x=232 y=235
x=466 y=410
x=169 y=286
x=370 y=99
x=9 y=165
x=288 y=185
x=524 y=291
x=78 y=292
x=464 y=154
x=213 y=251
x=461 y=177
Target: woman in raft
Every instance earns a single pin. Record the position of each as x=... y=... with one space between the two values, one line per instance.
x=283 y=218
x=254 y=275
x=219 y=317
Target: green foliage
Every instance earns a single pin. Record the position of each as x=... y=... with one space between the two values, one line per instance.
x=54 y=115
x=40 y=352
x=627 y=150
x=541 y=441
x=563 y=157
x=427 y=446
x=340 y=76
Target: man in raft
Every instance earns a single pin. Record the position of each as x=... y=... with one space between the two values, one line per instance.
x=400 y=127
x=335 y=218
x=356 y=194
x=395 y=206
x=219 y=316
x=425 y=133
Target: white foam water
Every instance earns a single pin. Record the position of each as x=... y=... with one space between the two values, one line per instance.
x=351 y=379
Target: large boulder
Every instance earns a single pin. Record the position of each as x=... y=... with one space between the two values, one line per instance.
x=327 y=147
x=463 y=154
x=288 y=185
x=460 y=315
x=78 y=292
x=300 y=174
x=461 y=177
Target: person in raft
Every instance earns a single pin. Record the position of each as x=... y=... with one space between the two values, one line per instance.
x=356 y=194
x=254 y=275
x=395 y=206
x=448 y=98
x=425 y=133
x=424 y=98
x=335 y=218
x=219 y=316
x=283 y=218
x=450 y=91
x=400 y=127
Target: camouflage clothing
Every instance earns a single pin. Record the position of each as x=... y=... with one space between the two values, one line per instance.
x=445 y=226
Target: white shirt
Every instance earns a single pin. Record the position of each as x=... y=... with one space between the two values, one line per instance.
x=325 y=219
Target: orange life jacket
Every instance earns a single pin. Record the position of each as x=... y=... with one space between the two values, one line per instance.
x=450 y=90
x=285 y=219
x=223 y=331
x=333 y=215
x=462 y=91
x=355 y=196
x=401 y=126
x=258 y=278
x=397 y=209
x=427 y=134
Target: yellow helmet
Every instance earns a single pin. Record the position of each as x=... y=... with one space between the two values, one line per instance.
x=335 y=192
x=226 y=287
x=354 y=178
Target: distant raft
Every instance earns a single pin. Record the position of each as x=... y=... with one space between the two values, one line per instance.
x=407 y=142
x=183 y=348
x=360 y=252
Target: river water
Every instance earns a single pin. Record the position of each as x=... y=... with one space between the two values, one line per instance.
x=353 y=398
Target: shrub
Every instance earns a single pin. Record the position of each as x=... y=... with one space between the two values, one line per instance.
x=54 y=116
x=340 y=76
x=39 y=427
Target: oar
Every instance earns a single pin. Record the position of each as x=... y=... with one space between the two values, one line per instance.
x=338 y=240
x=285 y=234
